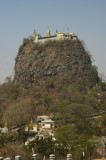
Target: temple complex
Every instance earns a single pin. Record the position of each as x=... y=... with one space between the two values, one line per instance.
x=58 y=36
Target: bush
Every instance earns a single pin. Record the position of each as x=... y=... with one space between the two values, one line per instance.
x=49 y=83
x=14 y=92
x=103 y=86
x=25 y=41
x=94 y=78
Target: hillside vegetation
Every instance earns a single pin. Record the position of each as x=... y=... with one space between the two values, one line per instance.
x=55 y=78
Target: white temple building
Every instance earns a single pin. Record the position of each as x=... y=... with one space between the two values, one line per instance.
x=37 y=38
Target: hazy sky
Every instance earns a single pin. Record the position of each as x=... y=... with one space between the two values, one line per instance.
x=18 y=18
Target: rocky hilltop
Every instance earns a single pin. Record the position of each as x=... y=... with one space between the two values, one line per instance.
x=57 y=79
x=40 y=61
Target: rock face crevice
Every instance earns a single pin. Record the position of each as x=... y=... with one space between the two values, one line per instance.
x=41 y=61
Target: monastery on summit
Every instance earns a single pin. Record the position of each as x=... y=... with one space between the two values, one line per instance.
x=58 y=36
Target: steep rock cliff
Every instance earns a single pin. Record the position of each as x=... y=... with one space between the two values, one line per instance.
x=40 y=61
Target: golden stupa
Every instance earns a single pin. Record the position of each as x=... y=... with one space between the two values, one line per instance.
x=31 y=123
x=5 y=125
x=48 y=33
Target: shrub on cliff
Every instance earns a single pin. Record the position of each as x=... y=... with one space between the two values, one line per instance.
x=49 y=83
x=14 y=91
x=94 y=78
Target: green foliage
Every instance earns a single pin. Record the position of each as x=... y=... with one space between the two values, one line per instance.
x=61 y=107
x=25 y=41
x=47 y=146
x=102 y=107
x=80 y=117
x=47 y=101
x=43 y=146
x=83 y=144
x=76 y=143
x=77 y=99
x=14 y=92
x=18 y=113
x=94 y=91
x=104 y=123
x=94 y=98
x=80 y=86
x=2 y=140
x=21 y=136
x=7 y=138
x=49 y=83
x=103 y=85
x=65 y=134
x=94 y=78
x=97 y=130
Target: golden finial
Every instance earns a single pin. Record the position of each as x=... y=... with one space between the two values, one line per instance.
x=34 y=30
x=48 y=33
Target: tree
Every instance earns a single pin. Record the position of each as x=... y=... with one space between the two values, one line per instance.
x=104 y=124
x=47 y=101
x=18 y=113
x=81 y=118
x=103 y=85
x=93 y=98
x=75 y=143
x=14 y=91
x=43 y=146
x=94 y=78
x=65 y=134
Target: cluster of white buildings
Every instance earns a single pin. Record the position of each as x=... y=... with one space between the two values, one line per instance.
x=37 y=38
x=43 y=127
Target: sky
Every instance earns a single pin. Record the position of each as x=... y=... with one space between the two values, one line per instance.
x=18 y=18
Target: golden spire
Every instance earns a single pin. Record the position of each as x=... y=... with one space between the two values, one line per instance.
x=48 y=33
x=34 y=33
x=31 y=123
x=5 y=125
